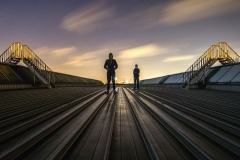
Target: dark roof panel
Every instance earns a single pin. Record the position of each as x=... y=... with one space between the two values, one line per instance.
x=220 y=73
x=230 y=74
x=236 y=78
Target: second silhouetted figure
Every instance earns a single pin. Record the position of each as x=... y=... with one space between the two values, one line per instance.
x=136 y=73
x=110 y=65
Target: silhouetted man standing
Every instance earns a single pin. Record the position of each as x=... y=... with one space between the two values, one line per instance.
x=136 y=72
x=110 y=65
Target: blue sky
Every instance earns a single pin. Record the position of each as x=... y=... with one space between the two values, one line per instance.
x=162 y=37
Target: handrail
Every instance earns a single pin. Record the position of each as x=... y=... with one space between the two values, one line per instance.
x=229 y=51
x=22 y=52
x=12 y=49
x=221 y=51
x=202 y=60
x=43 y=68
x=36 y=57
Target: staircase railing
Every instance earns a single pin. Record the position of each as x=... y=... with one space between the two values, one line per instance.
x=222 y=52
x=195 y=68
x=228 y=52
x=16 y=52
x=13 y=51
x=38 y=66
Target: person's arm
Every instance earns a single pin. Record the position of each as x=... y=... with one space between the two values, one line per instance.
x=105 y=65
x=116 y=65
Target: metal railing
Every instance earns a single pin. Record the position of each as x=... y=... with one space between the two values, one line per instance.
x=13 y=51
x=229 y=52
x=17 y=51
x=222 y=52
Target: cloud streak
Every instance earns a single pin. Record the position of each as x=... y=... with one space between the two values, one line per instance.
x=87 y=19
x=186 y=11
x=87 y=59
x=64 y=51
x=148 y=50
x=57 y=52
x=179 y=12
x=179 y=58
x=93 y=18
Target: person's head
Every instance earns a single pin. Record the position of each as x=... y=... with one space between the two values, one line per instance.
x=136 y=66
x=110 y=56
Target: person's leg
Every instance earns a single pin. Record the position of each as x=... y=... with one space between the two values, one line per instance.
x=134 y=87
x=137 y=82
x=108 y=81
x=113 y=81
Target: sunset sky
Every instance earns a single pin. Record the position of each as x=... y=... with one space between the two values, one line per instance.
x=162 y=36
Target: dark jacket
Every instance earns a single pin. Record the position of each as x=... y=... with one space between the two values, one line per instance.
x=111 y=66
x=136 y=72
